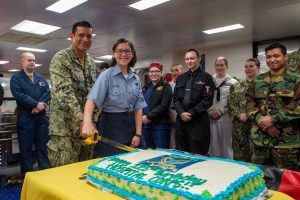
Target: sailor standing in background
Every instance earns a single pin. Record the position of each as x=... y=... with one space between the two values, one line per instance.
x=193 y=95
x=32 y=94
x=220 y=121
x=156 y=117
x=274 y=109
x=175 y=71
x=236 y=102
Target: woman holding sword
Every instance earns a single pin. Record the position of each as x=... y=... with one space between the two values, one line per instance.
x=118 y=95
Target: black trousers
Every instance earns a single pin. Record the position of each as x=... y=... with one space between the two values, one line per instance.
x=193 y=136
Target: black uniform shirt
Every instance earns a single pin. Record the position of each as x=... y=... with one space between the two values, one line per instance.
x=202 y=92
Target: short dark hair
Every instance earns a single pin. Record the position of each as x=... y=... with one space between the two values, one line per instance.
x=194 y=50
x=104 y=65
x=275 y=46
x=256 y=61
x=81 y=24
x=123 y=40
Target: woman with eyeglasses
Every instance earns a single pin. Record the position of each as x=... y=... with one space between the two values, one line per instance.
x=220 y=121
x=118 y=95
x=156 y=117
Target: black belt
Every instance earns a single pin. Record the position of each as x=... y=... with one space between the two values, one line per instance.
x=118 y=113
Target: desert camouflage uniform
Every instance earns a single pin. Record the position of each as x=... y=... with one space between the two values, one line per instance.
x=236 y=102
x=293 y=61
x=280 y=99
x=71 y=81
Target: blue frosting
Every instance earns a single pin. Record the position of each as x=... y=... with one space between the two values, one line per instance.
x=119 y=191
x=229 y=190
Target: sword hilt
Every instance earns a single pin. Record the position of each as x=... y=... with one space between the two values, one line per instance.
x=95 y=137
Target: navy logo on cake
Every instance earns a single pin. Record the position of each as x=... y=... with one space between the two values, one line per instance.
x=172 y=162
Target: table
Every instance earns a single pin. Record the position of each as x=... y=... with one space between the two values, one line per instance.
x=64 y=183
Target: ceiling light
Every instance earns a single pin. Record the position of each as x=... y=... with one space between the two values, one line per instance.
x=98 y=61
x=105 y=57
x=224 y=28
x=144 y=4
x=38 y=65
x=64 y=5
x=2 y=62
x=35 y=27
x=13 y=70
x=31 y=49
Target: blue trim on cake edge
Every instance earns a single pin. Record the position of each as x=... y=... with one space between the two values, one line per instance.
x=256 y=193
x=224 y=194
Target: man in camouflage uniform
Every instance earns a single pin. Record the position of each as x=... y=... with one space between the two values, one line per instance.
x=73 y=73
x=274 y=108
x=293 y=61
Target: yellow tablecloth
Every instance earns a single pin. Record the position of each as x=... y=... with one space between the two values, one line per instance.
x=63 y=183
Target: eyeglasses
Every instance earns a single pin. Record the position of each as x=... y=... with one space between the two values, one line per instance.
x=154 y=71
x=126 y=51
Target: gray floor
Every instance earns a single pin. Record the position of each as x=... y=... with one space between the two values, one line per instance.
x=13 y=169
x=10 y=170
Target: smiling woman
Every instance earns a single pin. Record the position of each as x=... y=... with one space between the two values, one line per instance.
x=118 y=96
x=237 y=110
x=220 y=122
x=156 y=118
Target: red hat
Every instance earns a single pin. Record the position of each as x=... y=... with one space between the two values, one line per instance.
x=157 y=65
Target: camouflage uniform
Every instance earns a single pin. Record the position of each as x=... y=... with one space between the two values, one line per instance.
x=71 y=81
x=236 y=102
x=293 y=61
x=280 y=99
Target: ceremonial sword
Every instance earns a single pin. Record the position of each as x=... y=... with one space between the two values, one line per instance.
x=96 y=137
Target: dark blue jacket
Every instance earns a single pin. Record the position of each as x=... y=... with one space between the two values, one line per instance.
x=160 y=102
x=27 y=93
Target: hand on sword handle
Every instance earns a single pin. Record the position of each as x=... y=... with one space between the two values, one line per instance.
x=93 y=139
x=88 y=132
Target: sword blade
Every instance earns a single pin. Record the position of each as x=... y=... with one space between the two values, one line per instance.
x=115 y=144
